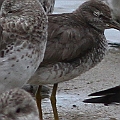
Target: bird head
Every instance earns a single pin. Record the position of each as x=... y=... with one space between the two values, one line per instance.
x=17 y=104
x=98 y=15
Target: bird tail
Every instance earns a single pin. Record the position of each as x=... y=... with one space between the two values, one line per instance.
x=109 y=96
x=106 y=92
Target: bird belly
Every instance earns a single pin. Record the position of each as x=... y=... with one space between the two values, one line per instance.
x=17 y=66
x=60 y=72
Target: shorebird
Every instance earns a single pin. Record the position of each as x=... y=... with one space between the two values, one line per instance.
x=109 y=96
x=1 y=1
x=17 y=104
x=75 y=44
x=23 y=36
x=48 y=5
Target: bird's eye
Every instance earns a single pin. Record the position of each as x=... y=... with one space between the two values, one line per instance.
x=18 y=110
x=97 y=13
x=100 y=16
x=9 y=11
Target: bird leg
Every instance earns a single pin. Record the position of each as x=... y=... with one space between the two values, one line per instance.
x=38 y=101
x=53 y=101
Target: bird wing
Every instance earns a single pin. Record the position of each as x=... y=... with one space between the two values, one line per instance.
x=66 y=40
x=109 y=96
x=4 y=40
x=113 y=90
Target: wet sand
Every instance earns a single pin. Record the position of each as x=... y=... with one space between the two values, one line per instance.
x=70 y=94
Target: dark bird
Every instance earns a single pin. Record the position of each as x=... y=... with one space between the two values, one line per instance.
x=17 y=104
x=1 y=1
x=109 y=96
x=75 y=44
x=23 y=36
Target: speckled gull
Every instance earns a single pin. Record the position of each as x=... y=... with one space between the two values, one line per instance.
x=48 y=5
x=76 y=43
x=17 y=104
x=23 y=34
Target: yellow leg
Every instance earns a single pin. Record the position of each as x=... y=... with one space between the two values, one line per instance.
x=53 y=101
x=38 y=101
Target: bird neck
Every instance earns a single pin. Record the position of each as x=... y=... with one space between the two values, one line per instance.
x=77 y=15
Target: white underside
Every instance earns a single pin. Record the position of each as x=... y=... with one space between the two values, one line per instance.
x=16 y=72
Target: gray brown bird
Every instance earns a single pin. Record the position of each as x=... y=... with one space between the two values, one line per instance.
x=107 y=97
x=17 y=104
x=23 y=35
x=76 y=43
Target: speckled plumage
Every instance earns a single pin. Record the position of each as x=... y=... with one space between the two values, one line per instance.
x=48 y=5
x=17 y=104
x=76 y=43
x=23 y=41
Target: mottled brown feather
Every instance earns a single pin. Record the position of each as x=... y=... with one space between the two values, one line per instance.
x=68 y=33
x=66 y=41
x=17 y=104
x=48 y=5
x=23 y=36
x=76 y=42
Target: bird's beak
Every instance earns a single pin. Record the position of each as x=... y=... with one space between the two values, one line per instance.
x=114 y=24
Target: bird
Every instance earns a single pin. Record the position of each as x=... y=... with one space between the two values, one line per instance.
x=1 y=1
x=17 y=104
x=75 y=44
x=23 y=37
x=48 y=5
x=106 y=97
x=33 y=88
